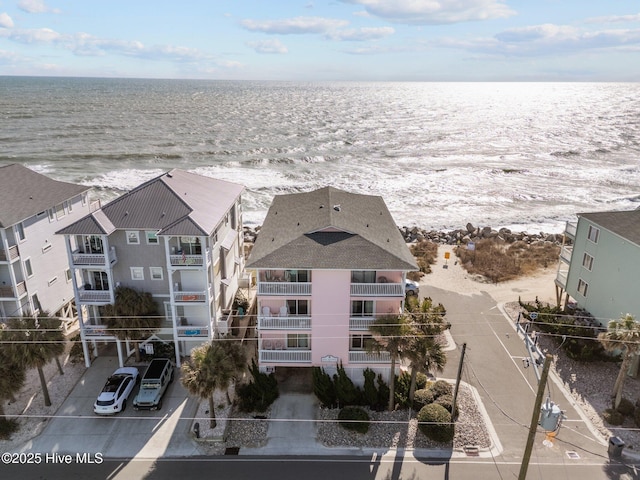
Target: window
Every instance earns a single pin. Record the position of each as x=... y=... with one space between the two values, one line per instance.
x=298 y=340
x=152 y=238
x=137 y=273
x=361 y=308
x=133 y=237
x=36 y=303
x=60 y=211
x=587 y=261
x=593 y=234
x=360 y=342
x=363 y=276
x=156 y=273
x=296 y=275
x=20 y=232
x=28 y=269
x=298 y=307
x=67 y=275
x=583 y=287
x=52 y=281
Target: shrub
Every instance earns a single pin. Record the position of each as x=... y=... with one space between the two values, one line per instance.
x=354 y=418
x=323 y=387
x=613 y=417
x=422 y=397
x=636 y=416
x=346 y=391
x=435 y=422
x=441 y=387
x=626 y=407
x=370 y=394
x=259 y=393
x=446 y=401
x=8 y=426
x=76 y=355
x=383 y=392
x=402 y=385
x=426 y=253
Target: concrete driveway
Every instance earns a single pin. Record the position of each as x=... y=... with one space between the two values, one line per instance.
x=139 y=434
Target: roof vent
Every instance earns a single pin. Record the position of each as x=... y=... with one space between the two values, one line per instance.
x=321 y=206
x=336 y=207
x=126 y=213
x=169 y=175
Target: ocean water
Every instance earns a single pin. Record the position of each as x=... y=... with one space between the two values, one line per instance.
x=524 y=155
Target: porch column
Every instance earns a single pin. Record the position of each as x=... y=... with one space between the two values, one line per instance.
x=119 y=348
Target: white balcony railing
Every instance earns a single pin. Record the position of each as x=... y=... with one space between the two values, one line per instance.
x=360 y=323
x=9 y=255
x=285 y=356
x=293 y=322
x=81 y=259
x=565 y=253
x=361 y=356
x=180 y=260
x=284 y=288
x=94 y=296
x=571 y=229
x=377 y=289
x=561 y=278
x=95 y=331
x=189 y=297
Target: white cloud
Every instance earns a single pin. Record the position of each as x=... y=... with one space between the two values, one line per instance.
x=5 y=21
x=268 y=46
x=361 y=34
x=297 y=25
x=36 y=6
x=434 y=12
x=547 y=40
x=615 y=19
x=36 y=35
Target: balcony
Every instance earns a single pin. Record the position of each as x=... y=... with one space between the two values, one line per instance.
x=571 y=229
x=189 y=297
x=191 y=331
x=360 y=323
x=82 y=259
x=96 y=331
x=377 y=290
x=561 y=278
x=565 y=253
x=285 y=356
x=99 y=297
x=9 y=255
x=284 y=288
x=9 y=292
x=183 y=260
x=362 y=356
x=293 y=322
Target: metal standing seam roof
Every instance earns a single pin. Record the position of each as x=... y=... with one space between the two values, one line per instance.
x=24 y=193
x=623 y=223
x=329 y=228
x=175 y=203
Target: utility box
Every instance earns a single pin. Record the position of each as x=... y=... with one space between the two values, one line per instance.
x=616 y=445
x=550 y=416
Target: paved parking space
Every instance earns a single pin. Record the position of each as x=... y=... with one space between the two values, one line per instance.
x=142 y=434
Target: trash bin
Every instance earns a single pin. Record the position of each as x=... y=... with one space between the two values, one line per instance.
x=196 y=429
x=616 y=444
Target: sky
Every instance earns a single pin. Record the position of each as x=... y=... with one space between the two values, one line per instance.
x=314 y=40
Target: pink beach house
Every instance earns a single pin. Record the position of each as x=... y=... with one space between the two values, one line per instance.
x=327 y=263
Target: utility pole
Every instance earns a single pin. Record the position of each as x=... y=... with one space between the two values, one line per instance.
x=455 y=391
x=534 y=418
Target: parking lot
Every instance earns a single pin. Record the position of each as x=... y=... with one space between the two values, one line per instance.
x=129 y=434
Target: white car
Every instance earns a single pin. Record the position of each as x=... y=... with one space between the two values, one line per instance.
x=114 y=394
x=411 y=287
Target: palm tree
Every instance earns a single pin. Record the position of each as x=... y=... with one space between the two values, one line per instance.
x=621 y=335
x=391 y=334
x=133 y=316
x=212 y=366
x=425 y=352
x=12 y=377
x=35 y=341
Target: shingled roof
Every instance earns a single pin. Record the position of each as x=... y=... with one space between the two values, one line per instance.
x=175 y=203
x=24 y=193
x=623 y=223
x=329 y=228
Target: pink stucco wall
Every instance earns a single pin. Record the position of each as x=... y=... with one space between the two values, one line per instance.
x=330 y=315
